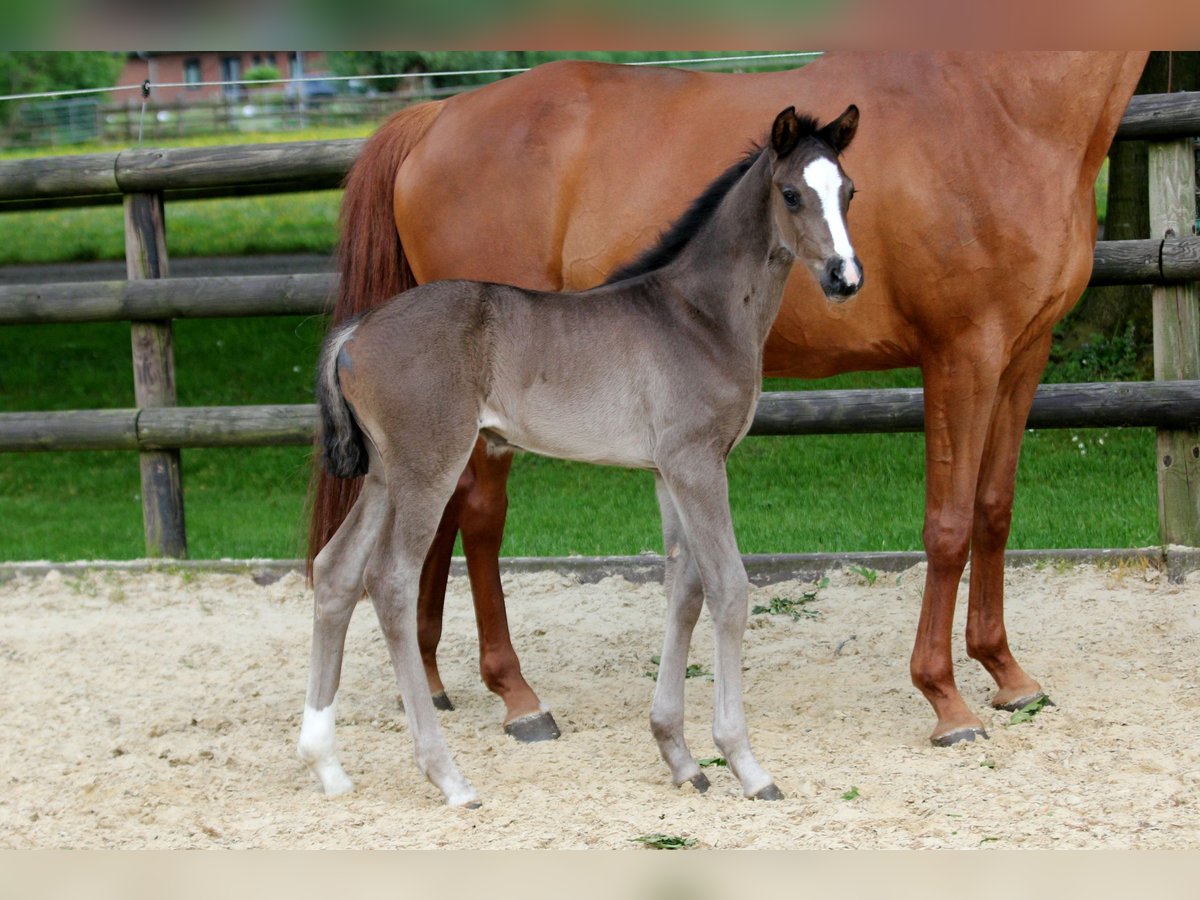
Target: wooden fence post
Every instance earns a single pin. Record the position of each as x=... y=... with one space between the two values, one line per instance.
x=154 y=378
x=1176 y=340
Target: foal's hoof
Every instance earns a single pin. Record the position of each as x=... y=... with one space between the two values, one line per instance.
x=770 y=792
x=1020 y=702
x=958 y=736
x=699 y=782
x=533 y=728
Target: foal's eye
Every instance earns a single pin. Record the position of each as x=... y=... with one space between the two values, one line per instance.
x=791 y=198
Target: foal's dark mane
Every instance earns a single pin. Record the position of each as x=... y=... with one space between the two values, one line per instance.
x=672 y=241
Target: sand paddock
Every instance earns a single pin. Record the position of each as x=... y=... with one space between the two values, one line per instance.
x=162 y=709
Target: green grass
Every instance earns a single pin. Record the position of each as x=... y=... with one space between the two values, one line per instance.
x=821 y=493
x=824 y=493
x=282 y=223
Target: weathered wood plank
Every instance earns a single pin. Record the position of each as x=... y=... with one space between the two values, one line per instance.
x=318 y=164
x=1095 y=405
x=169 y=298
x=58 y=176
x=1116 y=262
x=1176 y=311
x=312 y=165
x=227 y=426
x=1159 y=116
x=91 y=429
x=154 y=379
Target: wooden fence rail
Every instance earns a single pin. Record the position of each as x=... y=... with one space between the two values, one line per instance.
x=144 y=178
x=1116 y=262
x=1161 y=404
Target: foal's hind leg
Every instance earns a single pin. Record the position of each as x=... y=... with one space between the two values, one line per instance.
x=338 y=585
x=685 y=598
x=700 y=491
x=418 y=493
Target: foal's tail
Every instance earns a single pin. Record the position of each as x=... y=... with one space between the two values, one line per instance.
x=373 y=268
x=343 y=448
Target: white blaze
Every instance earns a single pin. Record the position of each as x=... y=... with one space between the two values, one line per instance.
x=823 y=177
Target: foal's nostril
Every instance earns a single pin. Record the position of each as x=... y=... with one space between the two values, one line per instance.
x=843 y=278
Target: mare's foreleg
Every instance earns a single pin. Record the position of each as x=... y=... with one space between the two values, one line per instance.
x=987 y=639
x=960 y=391
x=338 y=586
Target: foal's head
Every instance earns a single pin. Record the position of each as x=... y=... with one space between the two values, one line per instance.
x=810 y=195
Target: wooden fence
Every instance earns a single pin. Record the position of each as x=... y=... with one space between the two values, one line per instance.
x=143 y=179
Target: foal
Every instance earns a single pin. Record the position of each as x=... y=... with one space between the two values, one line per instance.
x=659 y=369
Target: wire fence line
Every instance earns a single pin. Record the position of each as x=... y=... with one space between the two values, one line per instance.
x=148 y=86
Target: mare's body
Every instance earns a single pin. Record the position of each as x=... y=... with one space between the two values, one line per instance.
x=976 y=221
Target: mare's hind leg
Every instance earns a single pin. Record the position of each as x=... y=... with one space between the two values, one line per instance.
x=418 y=489
x=987 y=640
x=338 y=585
x=432 y=597
x=685 y=597
x=698 y=487
x=482 y=524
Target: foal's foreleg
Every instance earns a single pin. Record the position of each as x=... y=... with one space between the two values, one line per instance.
x=338 y=585
x=685 y=597
x=701 y=495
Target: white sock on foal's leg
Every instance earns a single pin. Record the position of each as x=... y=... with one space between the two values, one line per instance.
x=317 y=749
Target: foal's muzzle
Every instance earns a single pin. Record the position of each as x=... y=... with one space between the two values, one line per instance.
x=842 y=278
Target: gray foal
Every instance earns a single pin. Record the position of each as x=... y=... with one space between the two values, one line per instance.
x=658 y=369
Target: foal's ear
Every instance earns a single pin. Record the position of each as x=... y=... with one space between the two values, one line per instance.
x=840 y=132
x=785 y=133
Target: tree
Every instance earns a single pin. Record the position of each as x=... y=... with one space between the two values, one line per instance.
x=29 y=71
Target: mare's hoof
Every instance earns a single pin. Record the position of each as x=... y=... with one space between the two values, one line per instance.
x=474 y=804
x=700 y=783
x=440 y=701
x=531 y=729
x=1015 y=705
x=770 y=792
x=958 y=736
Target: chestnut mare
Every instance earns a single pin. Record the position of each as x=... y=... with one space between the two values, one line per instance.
x=657 y=369
x=977 y=222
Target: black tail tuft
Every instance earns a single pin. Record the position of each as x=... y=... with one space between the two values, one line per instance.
x=343 y=445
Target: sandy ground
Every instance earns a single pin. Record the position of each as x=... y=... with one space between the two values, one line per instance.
x=162 y=710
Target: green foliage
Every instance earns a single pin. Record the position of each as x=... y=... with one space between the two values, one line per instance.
x=32 y=71
x=664 y=841
x=710 y=761
x=262 y=73
x=1029 y=710
x=851 y=794
x=795 y=608
x=867 y=575
x=694 y=670
x=1115 y=357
